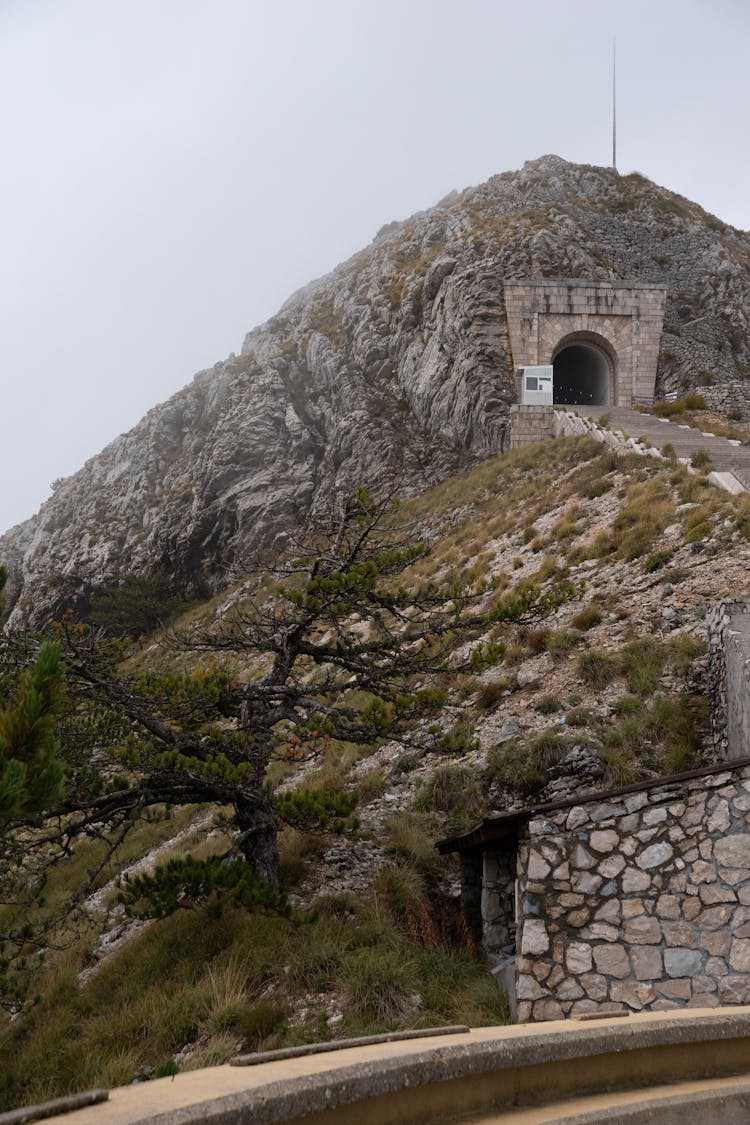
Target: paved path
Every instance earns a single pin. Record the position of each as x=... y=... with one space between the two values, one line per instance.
x=726 y=456
x=449 y=1078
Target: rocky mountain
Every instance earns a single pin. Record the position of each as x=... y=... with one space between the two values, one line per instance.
x=395 y=366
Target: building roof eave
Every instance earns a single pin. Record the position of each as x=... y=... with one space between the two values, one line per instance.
x=504 y=828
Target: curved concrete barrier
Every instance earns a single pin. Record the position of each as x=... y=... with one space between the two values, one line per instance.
x=489 y=1072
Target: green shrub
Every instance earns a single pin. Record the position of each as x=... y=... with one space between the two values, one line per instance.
x=596 y=668
x=579 y=717
x=315 y=960
x=628 y=735
x=489 y=695
x=411 y=834
x=560 y=642
x=685 y=650
x=431 y=699
x=510 y=766
x=679 y=756
x=547 y=748
x=657 y=561
x=598 y=488
x=679 y=406
x=700 y=459
x=454 y=791
x=166 y=1069
x=587 y=618
x=459 y=740
x=192 y=882
x=643 y=662
x=548 y=704
x=675 y=723
x=406 y=763
x=372 y=785
x=315 y=808
x=628 y=705
x=378 y=984
x=523 y=767
x=403 y=892
x=620 y=769
x=486 y=655
x=644 y=514
x=256 y=1023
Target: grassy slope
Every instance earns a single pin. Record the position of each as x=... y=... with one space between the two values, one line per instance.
x=396 y=954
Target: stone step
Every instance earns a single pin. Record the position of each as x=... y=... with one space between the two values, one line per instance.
x=725 y=456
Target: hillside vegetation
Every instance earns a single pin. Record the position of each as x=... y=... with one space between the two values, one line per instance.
x=607 y=688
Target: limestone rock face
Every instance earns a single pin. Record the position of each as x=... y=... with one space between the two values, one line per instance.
x=395 y=367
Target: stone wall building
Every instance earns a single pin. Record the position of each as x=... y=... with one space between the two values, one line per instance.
x=631 y=899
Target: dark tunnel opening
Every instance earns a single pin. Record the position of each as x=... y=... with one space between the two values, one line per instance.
x=581 y=376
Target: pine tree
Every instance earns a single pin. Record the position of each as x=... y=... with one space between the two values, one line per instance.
x=31 y=769
x=340 y=651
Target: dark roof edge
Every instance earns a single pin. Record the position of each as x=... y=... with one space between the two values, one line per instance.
x=497 y=827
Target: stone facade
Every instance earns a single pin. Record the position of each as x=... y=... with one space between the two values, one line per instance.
x=627 y=900
x=623 y=321
x=529 y=424
x=640 y=901
x=730 y=397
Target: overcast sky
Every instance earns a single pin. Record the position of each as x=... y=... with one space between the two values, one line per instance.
x=173 y=169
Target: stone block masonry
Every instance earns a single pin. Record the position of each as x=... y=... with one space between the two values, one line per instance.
x=529 y=424
x=638 y=901
x=728 y=629
x=624 y=319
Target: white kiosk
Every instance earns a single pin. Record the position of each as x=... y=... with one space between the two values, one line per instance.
x=536 y=385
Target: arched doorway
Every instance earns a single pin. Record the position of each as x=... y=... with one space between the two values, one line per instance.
x=583 y=373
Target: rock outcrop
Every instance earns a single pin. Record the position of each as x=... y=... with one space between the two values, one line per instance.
x=394 y=367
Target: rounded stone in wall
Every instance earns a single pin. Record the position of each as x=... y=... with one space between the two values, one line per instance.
x=733 y=851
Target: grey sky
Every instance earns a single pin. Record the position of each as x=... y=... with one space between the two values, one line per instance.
x=173 y=169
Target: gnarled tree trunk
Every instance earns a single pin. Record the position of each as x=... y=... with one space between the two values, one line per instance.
x=258 y=827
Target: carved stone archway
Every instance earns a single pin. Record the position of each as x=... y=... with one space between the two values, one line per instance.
x=585 y=367
x=620 y=321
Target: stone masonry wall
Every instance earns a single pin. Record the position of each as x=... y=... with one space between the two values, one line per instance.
x=626 y=318
x=727 y=396
x=498 y=905
x=728 y=632
x=637 y=902
x=529 y=424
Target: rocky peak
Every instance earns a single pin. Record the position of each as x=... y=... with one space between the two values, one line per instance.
x=394 y=367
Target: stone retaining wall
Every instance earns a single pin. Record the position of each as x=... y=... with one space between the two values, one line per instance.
x=529 y=424
x=727 y=396
x=728 y=634
x=570 y=424
x=640 y=901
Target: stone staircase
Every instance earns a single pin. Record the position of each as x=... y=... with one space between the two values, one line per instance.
x=727 y=457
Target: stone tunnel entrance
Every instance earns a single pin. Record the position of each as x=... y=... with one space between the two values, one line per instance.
x=602 y=337
x=583 y=376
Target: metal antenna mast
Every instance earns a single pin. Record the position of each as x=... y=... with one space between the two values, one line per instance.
x=614 y=106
